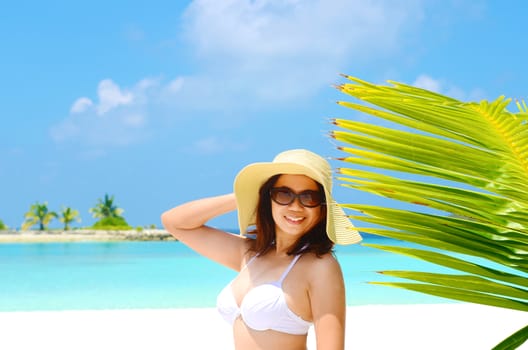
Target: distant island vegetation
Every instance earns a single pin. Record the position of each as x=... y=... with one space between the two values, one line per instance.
x=111 y=225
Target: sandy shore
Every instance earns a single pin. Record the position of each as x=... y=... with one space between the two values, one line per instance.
x=442 y=326
x=83 y=236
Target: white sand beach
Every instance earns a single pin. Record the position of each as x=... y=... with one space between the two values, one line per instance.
x=83 y=235
x=440 y=326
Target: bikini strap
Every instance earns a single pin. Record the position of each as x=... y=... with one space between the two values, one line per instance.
x=249 y=262
x=285 y=273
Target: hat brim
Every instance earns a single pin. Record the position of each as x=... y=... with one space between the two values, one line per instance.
x=249 y=180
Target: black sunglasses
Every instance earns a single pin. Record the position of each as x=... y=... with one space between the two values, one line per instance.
x=285 y=196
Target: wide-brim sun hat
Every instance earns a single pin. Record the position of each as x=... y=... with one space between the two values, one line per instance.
x=295 y=162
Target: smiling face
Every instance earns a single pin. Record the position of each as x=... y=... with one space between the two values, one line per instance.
x=295 y=219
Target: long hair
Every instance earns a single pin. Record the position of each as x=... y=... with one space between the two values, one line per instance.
x=316 y=240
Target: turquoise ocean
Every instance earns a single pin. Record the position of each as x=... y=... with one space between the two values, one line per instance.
x=164 y=274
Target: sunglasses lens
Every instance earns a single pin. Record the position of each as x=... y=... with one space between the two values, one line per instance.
x=282 y=196
x=310 y=199
x=285 y=196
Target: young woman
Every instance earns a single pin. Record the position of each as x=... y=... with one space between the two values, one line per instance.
x=288 y=278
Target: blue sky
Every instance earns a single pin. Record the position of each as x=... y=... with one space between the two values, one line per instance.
x=161 y=102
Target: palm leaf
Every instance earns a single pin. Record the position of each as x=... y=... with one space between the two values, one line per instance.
x=470 y=284
x=462 y=167
x=513 y=341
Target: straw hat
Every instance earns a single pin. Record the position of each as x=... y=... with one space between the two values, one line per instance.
x=296 y=162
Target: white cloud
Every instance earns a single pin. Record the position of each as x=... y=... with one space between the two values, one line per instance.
x=246 y=50
x=81 y=105
x=175 y=85
x=119 y=116
x=444 y=87
x=285 y=49
x=426 y=82
x=67 y=129
x=145 y=84
x=111 y=96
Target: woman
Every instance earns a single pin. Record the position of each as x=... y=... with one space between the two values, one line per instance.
x=288 y=278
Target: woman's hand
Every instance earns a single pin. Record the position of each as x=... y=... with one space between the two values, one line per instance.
x=195 y=214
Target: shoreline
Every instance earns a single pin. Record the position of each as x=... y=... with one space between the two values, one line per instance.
x=369 y=327
x=83 y=235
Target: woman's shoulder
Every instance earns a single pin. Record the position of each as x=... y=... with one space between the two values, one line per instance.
x=324 y=258
x=319 y=272
x=323 y=263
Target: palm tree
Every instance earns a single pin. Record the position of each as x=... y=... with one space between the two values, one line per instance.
x=463 y=169
x=106 y=208
x=69 y=215
x=38 y=214
x=109 y=215
x=2 y=225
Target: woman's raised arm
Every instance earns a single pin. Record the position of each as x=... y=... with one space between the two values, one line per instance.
x=187 y=223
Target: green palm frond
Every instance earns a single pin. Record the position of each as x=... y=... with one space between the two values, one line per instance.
x=38 y=214
x=69 y=215
x=106 y=208
x=463 y=169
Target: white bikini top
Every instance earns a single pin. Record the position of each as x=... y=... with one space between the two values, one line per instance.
x=263 y=307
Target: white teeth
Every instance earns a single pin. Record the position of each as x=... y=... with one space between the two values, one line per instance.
x=294 y=219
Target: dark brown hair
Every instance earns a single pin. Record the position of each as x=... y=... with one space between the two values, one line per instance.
x=316 y=240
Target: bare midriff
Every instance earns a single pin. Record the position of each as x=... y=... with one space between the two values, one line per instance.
x=250 y=339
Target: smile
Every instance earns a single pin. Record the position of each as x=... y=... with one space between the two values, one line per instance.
x=294 y=220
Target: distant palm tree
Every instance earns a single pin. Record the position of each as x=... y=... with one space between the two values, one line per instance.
x=2 y=225
x=69 y=215
x=106 y=208
x=38 y=214
x=463 y=168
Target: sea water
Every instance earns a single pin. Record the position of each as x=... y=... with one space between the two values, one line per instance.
x=166 y=274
